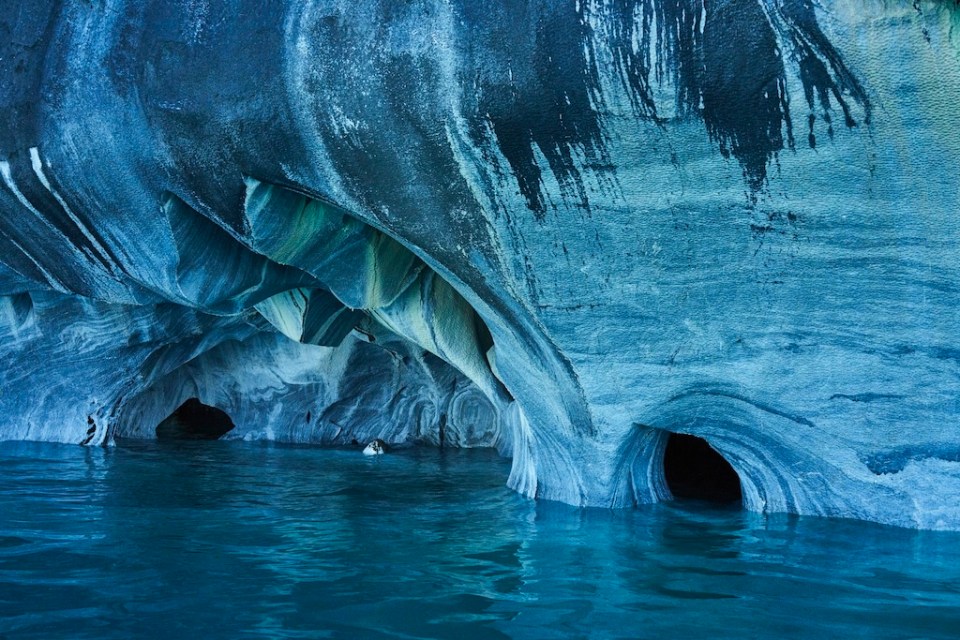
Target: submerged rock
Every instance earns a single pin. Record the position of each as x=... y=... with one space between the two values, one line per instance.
x=567 y=230
x=377 y=447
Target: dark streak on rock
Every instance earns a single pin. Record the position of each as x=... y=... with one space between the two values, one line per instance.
x=822 y=70
x=724 y=57
x=91 y=431
x=866 y=397
x=743 y=91
x=736 y=396
x=545 y=105
x=896 y=460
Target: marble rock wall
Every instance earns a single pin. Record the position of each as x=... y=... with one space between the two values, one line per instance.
x=562 y=228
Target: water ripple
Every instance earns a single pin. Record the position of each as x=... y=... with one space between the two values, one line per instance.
x=231 y=539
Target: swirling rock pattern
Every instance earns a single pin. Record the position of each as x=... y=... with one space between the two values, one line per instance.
x=563 y=229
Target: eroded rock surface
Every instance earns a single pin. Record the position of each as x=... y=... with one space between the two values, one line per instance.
x=563 y=229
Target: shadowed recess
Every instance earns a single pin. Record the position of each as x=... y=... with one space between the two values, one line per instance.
x=694 y=470
x=194 y=420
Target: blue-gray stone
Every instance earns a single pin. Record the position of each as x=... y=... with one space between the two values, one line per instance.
x=565 y=229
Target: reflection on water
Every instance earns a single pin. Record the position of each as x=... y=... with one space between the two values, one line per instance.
x=227 y=539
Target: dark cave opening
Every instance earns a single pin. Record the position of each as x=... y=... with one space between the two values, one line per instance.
x=194 y=420
x=694 y=470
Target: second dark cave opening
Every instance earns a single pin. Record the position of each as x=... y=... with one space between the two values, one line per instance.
x=694 y=470
x=194 y=420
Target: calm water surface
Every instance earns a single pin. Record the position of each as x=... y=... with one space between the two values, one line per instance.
x=233 y=540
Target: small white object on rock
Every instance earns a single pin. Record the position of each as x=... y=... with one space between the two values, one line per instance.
x=376 y=448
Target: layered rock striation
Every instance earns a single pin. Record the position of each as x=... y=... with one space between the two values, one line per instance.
x=563 y=229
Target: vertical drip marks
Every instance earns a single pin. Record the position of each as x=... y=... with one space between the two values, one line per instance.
x=822 y=70
x=656 y=41
x=722 y=59
x=727 y=64
x=569 y=121
x=743 y=86
x=545 y=104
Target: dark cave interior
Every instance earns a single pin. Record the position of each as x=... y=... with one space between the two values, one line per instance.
x=694 y=470
x=194 y=420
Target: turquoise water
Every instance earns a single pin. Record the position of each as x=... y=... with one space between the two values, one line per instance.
x=233 y=540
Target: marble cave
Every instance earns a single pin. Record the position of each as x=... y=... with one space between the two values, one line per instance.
x=612 y=239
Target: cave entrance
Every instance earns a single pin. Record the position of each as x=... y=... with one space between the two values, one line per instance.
x=694 y=470
x=194 y=420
